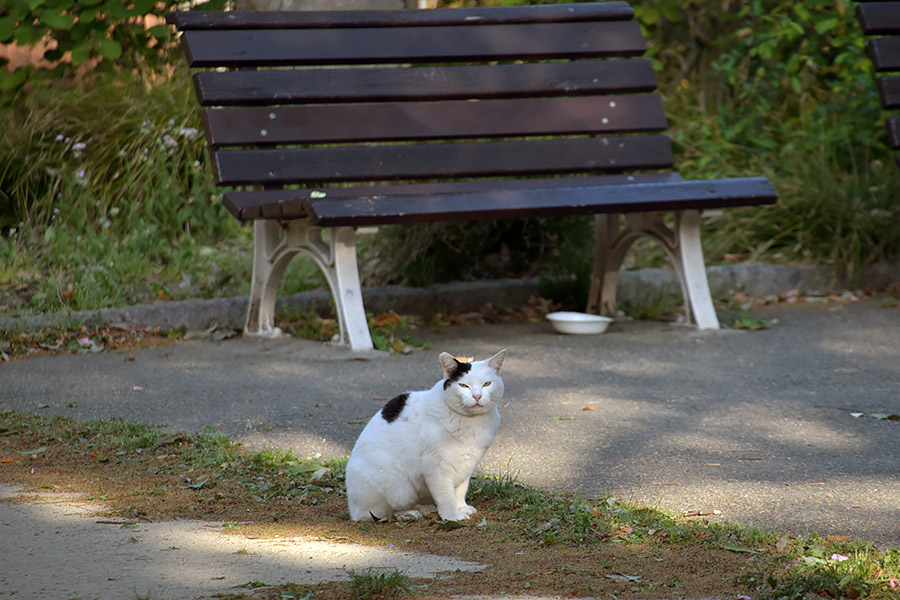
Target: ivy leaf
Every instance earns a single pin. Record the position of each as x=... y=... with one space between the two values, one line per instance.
x=88 y=15
x=25 y=34
x=7 y=25
x=11 y=81
x=826 y=25
x=81 y=53
x=33 y=4
x=449 y=525
x=160 y=32
x=110 y=49
x=143 y=7
x=57 y=21
x=117 y=10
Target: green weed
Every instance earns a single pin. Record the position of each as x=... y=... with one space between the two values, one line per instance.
x=371 y=583
x=661 y=306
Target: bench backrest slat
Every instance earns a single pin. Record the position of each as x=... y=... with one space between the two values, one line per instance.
x=332 y=123
x=885 y=53
x=429 y=161
x=306 y=97
x=883 y=19
x=277 y=47
x=889 y=90
x=615 y=11
x=878 y=18
x=423 y=83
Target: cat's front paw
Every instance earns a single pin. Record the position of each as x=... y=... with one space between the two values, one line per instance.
x=468 y=509
x=453 y=516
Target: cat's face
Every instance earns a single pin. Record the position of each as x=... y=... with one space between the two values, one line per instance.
x=472 y=388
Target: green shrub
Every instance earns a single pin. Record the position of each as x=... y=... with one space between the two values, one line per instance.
x=106 y=197
x=108 y=35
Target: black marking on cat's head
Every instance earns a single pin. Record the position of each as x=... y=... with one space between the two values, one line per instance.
x=394 y=407
x=461 y=369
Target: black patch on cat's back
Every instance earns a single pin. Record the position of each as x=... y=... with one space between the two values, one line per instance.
x=394 y=407
x=461 y=369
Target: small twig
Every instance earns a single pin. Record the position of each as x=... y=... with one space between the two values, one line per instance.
x=639 y=485
x=701 y=513
x=116 y=522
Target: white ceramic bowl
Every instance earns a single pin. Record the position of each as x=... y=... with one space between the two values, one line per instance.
x=578 y=323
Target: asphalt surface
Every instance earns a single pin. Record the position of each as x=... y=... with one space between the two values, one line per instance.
x=773 y=428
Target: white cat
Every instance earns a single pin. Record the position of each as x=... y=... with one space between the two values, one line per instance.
x=417 y=453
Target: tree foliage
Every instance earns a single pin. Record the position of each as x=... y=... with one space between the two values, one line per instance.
x=97 y=35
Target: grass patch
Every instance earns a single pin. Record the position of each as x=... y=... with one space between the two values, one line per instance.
x=373 y=583
x=537 y=543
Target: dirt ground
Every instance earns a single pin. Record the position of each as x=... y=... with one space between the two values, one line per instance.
x=88 y=525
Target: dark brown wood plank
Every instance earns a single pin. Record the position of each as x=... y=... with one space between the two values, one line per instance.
x=889 y=91
x=892 y=124
x=428 y=161
x=332 y=123
x=539 y=202
x=281 y=47
x=288 y=204
x=281 y=86
x=885 y=53
x=879 y=18
x=399 y=18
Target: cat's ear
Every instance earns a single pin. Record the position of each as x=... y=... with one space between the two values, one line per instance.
x=496 y=361
x=448 y=364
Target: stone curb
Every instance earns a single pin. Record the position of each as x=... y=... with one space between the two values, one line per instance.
x=752 y=278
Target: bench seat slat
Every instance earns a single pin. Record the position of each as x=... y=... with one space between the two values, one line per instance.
x=274 y=47
x=423 y=83
x=186 y=20
x=333 y=123
x=426 y=161
x=539 y=202
x=248 y=205
x=878 y=18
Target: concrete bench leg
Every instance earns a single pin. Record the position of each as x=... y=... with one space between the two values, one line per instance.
x=612 y=240
x=692 y=269
x=275 y=244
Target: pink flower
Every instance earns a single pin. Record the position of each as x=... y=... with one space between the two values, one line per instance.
x=839 y=557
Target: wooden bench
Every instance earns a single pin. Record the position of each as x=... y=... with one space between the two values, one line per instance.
x=881 y=21
x=329 y=121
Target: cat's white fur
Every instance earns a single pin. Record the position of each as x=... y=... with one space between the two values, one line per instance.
x=422 y=458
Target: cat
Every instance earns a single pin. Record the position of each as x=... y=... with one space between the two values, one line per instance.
x=417 y=453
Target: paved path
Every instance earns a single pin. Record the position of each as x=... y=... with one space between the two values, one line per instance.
x=757 y=425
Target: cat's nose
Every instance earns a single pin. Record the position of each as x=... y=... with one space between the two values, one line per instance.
x=476 y=397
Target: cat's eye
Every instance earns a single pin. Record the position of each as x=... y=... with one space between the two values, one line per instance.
x=462 y=385
x=486 y=383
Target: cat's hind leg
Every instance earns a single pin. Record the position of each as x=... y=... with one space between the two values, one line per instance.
x=412 y=514
x=426 y=509
x=373 y=507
